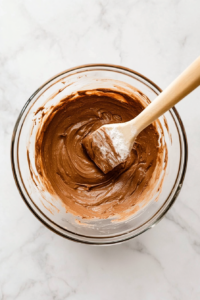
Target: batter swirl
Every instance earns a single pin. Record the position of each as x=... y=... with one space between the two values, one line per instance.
x=66 y=170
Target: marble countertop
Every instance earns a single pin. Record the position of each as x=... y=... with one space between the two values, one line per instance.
x=41 y=38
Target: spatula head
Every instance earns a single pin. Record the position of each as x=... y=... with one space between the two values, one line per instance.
x=105 y=147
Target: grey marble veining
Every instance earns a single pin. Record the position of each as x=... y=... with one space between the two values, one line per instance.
x=41 y=38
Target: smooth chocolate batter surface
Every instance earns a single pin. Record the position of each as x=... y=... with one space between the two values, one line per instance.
x=67 y=171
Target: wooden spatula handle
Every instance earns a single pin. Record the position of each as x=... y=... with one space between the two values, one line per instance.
x=177 y=90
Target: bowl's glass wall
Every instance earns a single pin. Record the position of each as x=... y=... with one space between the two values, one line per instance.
x=97 y=231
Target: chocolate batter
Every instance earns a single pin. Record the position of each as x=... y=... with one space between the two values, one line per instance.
x=67 y=171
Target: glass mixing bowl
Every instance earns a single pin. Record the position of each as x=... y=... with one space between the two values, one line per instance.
x=48 y=209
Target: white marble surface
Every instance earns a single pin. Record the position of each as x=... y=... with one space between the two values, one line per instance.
x=43 y=37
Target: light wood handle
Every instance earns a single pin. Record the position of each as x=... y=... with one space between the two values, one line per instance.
x=177 y=90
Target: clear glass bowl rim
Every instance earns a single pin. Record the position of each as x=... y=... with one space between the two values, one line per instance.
x=77 y=237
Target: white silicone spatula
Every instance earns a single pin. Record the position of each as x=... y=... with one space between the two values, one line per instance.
x=111 y=144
